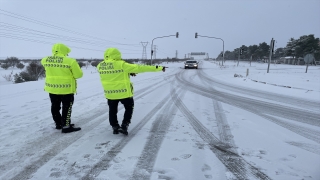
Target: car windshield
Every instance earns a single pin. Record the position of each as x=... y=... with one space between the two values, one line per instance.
x=191 y=61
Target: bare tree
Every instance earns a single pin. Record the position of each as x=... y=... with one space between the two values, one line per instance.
x=35 y=70
x=12 y=61
x=95 y=63
x=5 y=66
x=20 y=65
x=8 y=77
x=32 y=73
x=81 y=64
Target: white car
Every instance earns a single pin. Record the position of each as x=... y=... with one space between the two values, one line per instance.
x=191 y=64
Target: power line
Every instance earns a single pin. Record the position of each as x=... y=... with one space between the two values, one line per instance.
x=26 y=34
x=162 y=52
x=17 y=16
x=18 y=31
x=12 y=31
x=44 y=42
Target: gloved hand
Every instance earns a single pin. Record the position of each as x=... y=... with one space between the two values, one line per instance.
x=164 y=68
x=133 y=74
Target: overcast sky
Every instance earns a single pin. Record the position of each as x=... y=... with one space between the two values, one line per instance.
x=29 y=28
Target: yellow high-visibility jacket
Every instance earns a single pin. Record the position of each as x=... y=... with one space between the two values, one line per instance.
x=61 y=71
x=115 y=74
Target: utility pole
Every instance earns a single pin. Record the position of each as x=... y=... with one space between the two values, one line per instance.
x=176 y=54
x=239 y=56
x=144 y=52
x=271 y=52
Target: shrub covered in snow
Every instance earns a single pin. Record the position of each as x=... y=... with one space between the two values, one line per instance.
x=33 y=72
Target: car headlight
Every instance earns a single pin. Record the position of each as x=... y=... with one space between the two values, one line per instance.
x=186 y=64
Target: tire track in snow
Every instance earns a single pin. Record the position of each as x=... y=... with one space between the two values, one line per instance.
x=240 y=168
x=306 y=146
x=302 y=116
x=314 y=105
x=60 y=140
x=225 y=134
x=251 y=105
x=150 y=151
x=296 y=114
x=224 y=131
x=104 y=162
x=308 y=133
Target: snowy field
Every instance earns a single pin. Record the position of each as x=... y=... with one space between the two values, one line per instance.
x=194 y=124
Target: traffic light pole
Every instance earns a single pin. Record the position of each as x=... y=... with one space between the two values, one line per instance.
x=241 y=50
x=177 y=35
x=215 y=38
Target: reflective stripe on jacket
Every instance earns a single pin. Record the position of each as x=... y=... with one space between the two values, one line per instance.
x=61 y=71
x=115 y=74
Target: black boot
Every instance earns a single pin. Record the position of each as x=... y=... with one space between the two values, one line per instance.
x=124 y=129
x=69 y=129
x=58 y=126
x=116 y=129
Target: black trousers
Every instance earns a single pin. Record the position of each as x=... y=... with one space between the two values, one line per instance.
x=128 y=104
x=67 y=100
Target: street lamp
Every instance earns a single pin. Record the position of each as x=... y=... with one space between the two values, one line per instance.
x=177 y=35
x=196 y=36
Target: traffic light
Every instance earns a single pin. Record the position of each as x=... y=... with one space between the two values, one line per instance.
x=273 y=41
x=241 y=51
x=196 y=35
x=177 y=34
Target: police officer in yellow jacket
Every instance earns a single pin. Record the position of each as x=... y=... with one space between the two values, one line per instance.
x=115 y=78
x=61 y=84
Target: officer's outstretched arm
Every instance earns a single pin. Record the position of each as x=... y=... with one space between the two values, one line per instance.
x=76 y=70
x=135 y=68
